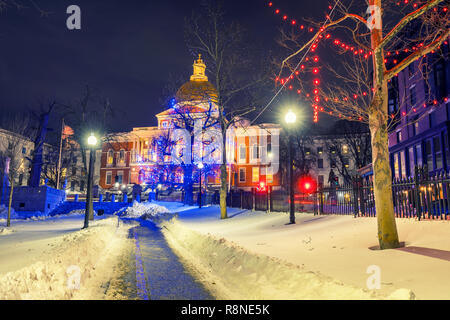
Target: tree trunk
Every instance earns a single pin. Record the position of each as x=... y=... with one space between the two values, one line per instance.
x=188 y=185
x=378 y=121
x=382 y=186
x=223 y=178
x=8 y=222
x=223 y=191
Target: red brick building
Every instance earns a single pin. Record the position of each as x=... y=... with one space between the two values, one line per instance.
x=134 y=157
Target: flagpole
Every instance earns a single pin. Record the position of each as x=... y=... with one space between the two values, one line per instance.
x=58 y=174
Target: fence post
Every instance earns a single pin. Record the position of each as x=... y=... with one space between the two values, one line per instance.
x=417 y=193
x=362 y=200
x=321 y=200
x=242 y=197
x=315 y=205
x=355 y=196
x=253 y=199
x=269 y=199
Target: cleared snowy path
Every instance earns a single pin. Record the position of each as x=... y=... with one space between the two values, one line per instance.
x=163 y=276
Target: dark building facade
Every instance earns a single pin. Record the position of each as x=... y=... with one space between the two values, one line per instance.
x=420 y=116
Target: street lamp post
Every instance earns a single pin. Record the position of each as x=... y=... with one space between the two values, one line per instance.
x=200 y=166
x=290 y=119
x=89 y=213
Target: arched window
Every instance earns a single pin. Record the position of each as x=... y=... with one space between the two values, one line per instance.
x=110 y=157
x=122 y=156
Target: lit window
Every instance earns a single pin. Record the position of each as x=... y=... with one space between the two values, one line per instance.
x=122 y=156
x=345 y=149
x=255 y=174
x=110 y=157
x=346 y=162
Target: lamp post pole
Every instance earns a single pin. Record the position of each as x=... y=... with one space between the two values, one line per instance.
x=89 y=213
x=290 y=119
x=291 y=183
x=200 y=166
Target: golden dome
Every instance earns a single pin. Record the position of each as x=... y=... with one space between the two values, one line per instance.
x=197 y=91
x=198 y=88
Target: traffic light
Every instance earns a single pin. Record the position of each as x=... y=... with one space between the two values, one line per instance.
x=307 y=185
x=261 y=186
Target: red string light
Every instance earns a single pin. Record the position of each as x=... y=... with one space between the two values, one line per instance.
x=344 y=48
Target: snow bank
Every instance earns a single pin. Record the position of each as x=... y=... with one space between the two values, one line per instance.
x=5 y=231
x=78 y=265
x=75 y=213
x=4 y=213
x=147 y=210
x=338 y=246
x=232 y=272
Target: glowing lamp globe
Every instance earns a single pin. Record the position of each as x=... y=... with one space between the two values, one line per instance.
x=200 y=165
x=290 y=117
x=92 y=140
x=307 y=185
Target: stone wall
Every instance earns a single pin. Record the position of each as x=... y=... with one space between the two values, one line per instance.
x=43 y=199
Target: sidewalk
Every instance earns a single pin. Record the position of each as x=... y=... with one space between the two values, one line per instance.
x=336 y=246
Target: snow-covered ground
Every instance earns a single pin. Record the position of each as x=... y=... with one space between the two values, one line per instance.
x=255 y=255
x=154 y=210
x=43 y=259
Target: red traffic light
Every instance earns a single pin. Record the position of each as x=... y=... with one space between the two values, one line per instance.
x=261 y=186
x=307 y=185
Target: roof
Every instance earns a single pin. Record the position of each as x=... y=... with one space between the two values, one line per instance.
x=197 y=91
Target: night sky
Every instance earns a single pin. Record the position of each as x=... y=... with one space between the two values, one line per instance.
x=126 y=50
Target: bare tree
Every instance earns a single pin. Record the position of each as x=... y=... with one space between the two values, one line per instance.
x=70 y=169
x=350 y=142
x=232 y=68
x=37 y=161
x=89 y=114
x=304 y=157
x=86 y=116
x=360 y=92
x=20 y=5
x=13 y=161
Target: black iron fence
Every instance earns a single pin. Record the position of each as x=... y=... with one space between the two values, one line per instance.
x=271 y=201
x=421 y=197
